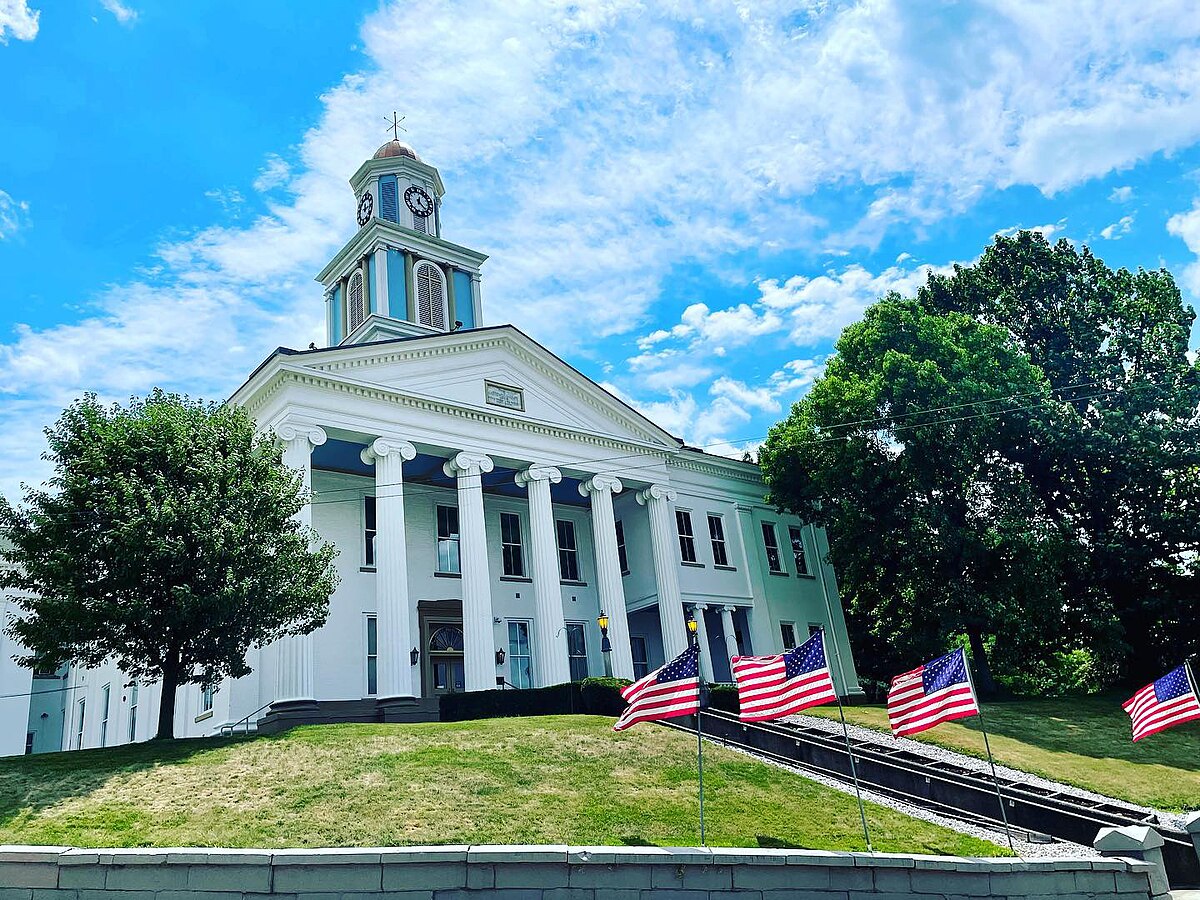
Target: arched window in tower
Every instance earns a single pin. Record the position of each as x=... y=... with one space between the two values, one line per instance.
x=356 y=309
x=431 y=295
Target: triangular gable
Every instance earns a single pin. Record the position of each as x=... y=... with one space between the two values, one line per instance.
x=499 y=369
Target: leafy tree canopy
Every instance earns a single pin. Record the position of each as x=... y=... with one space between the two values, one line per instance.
x=1013 y=455
x=165 y=540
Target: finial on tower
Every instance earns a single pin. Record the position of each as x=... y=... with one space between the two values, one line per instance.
x=396 y=127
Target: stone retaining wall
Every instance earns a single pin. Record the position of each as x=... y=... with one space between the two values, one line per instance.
x=549 y=873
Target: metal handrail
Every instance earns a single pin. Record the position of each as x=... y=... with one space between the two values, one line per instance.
x=231 y=730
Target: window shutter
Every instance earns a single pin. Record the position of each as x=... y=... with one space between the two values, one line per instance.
x=388 y=201
x=356 y=311
x=431 y=303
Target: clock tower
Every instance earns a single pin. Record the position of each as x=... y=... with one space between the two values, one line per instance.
x=397 y=277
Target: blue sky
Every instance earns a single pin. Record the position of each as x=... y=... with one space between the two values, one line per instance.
x=688 y=201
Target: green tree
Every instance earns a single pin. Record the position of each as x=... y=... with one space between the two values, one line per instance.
x=165 y=540
x=1014 y=453
x=932 y=531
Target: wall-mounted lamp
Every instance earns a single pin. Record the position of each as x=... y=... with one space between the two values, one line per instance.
x=500 y=656
x=605 y=644
x=414 y=655
x=692 y=626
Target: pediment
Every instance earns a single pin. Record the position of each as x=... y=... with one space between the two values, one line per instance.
x=500 y=370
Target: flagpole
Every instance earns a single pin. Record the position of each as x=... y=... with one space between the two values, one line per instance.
x=694 y=641
x=991 y=761
x=862 y=813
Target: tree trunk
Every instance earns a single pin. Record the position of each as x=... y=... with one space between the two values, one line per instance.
x=166 y=705
x=983 y=672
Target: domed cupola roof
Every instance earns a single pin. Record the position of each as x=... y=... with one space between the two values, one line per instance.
x=396 y=148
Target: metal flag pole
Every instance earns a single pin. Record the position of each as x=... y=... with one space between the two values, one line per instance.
x=694 y=641
x=862 y=813
x=987 y=746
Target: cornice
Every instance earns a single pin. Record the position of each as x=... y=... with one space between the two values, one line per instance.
x=731 y=468
x=378 y=230
x=394 y=164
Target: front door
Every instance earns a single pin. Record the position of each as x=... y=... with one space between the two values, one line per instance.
x=444 y=672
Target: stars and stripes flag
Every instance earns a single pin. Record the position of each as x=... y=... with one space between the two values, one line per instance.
x=1163 y=704
x=670 y=691
x=771 y=687
x=931 y=694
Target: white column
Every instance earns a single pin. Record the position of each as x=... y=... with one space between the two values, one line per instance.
x=382 y=299
x=550 y=631
x=600 y=489
x=479 y=657
x=392 y=614
x=664 y=546
x=294 y=673
x=731 y=646
x=706 y=667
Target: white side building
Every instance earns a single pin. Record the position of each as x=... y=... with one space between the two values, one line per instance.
x=489 y=502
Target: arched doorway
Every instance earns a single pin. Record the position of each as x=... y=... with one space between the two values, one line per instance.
x=444 y=671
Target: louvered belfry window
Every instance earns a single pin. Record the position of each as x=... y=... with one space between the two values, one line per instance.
x=431 y=299
x=419 y=224
x=357 y=312
x=388 y=201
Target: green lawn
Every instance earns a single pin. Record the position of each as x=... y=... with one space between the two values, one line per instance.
x=1084 y=741
x=554 y=779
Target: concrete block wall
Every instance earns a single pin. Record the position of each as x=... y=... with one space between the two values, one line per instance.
x=550 y=873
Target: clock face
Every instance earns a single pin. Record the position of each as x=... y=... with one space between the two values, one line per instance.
x=418 y=201
x=366 y=203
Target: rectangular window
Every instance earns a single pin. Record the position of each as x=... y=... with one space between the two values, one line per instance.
x=206 y=698
x=29 y=736
x=771 y=543
x=813 y=628
x=716 y=535
x=447 y=540
x=787 y=631
x=372 y=656
x=369 y=526
x=520 y=657
x=510 y=545
x=641 y=666
x=568 y=552
x=687 y=539
x=797 y=536
x=79 y=731
x=105 y=696
x=622 y=556
x=133 y=705
x=577 y=650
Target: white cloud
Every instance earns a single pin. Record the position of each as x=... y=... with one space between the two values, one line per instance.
x=1121 y=194
x=126 y=15
x=1186 y=227
x=592 y=147
x=1116 y=230
x=275 y=173
x=17 y=19
x=13 y=215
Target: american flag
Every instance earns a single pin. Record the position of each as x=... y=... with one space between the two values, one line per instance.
x=771 y=687
x=1167 y=702
x=668 y=692
x=931 y=694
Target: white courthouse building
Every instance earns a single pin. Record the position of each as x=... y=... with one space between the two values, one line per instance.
x=489 y=502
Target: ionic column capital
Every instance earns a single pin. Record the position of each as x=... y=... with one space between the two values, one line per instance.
x=700 y=606
x=289 y=430
x=729 y=608
x=387 y=446
x=655 y=492
x=598 y=484
x=467 y=463
x=538 y=472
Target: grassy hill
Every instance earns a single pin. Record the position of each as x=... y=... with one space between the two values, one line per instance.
x=1084 y=741
x=553 y=779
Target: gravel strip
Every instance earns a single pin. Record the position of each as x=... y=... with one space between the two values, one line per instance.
x=1024 y=849
x=862 y=735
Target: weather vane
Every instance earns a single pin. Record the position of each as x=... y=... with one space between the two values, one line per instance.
x=396 y=127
